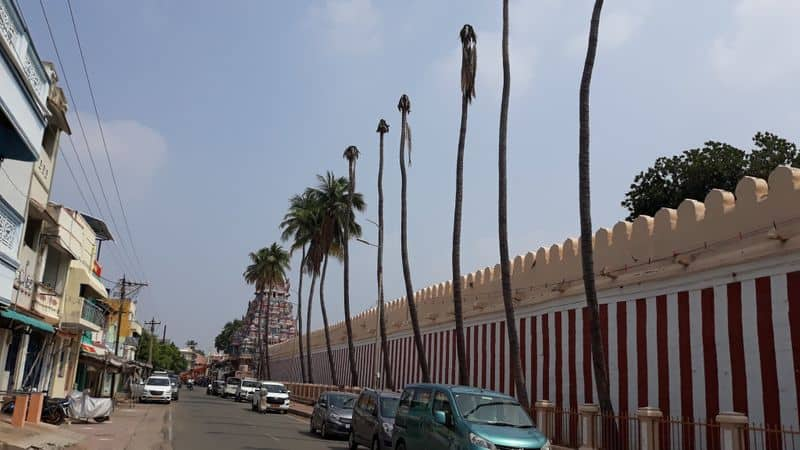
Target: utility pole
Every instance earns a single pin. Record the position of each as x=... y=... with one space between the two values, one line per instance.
x=152 y=323
x=164 y=335
x=124 y=283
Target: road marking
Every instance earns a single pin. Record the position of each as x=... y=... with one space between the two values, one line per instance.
x=272 y=437
x=169 y=428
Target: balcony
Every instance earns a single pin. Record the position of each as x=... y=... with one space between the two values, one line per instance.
x=47 y=302
x=81 y=314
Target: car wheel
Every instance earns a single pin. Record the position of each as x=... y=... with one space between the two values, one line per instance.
x=253 y=407
x=311 y=428
x=375 y=444
x=324 y=432
x=351 y=441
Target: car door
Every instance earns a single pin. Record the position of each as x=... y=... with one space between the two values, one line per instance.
x=369 y=421
x=442 y=435
x=319 y=411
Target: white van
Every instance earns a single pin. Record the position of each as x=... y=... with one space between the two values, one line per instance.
x=231 y=387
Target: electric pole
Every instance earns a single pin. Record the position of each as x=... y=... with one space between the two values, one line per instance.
x=152 y=323
x=124 y=283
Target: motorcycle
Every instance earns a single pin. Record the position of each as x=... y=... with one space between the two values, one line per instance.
x=54 y=410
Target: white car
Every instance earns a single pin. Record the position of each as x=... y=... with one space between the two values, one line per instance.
x=246 y=390
x=271 y=396
x=157 y=388
x=231 y=387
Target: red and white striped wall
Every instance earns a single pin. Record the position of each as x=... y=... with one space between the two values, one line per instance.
x=733 y=345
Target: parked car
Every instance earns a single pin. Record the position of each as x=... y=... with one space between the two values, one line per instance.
x=217 y=387
x=176 y=385
x=246 y=390
x=333 y=414
x=231 y=387
x=271 y=396
x=373 y=419
x=441 y=417
x=157 y=388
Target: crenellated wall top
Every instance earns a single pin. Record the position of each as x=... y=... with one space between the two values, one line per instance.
x=757 y=220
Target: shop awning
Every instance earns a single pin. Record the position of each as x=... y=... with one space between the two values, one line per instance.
x=92 y=350
x=27 y=320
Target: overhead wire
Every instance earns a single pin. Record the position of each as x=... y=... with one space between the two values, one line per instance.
x=124 y=260
x=103 y=137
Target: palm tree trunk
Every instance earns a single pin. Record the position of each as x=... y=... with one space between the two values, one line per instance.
x=502 y=219
x=260 y=361
x=587 y=251
x=458 y=310
x=308 y=329
x=266 y=334
x=351 y=351
x=334 y=379
x=412 y=307
x=300 y=316
x=387 y=368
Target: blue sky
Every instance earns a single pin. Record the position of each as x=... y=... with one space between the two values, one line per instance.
x=216 y=113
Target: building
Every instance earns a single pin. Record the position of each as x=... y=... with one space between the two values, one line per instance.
x=32 y=117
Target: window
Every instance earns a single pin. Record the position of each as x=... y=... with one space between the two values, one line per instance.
x=49 y=140
x=441 y=402
x=388 y=407
x=421 y=400
x=32 y=231
x=403 y=407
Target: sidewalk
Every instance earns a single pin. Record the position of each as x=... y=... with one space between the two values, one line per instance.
x=42 y=436
x=300 y=409
x=141 y=427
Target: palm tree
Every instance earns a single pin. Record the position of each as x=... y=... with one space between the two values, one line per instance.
x=331 y=196
x=469 y=59
x=298 y=225
x=584 y=195
x=383 y=128
x=253 y=276
x=502 y=219
x=268 y=270
x=405 y=135
x=351 y=155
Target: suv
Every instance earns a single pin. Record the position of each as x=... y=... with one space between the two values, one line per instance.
x=246 y=390
x=373 y=419
x=271 y=396
x=440 y=417
x=231 y=387
x=333 y=414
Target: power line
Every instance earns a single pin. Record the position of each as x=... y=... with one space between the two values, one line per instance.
x=103 y=136
x=124 y=261
x=77 y=185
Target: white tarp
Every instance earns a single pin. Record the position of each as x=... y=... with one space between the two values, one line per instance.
x=83 y=406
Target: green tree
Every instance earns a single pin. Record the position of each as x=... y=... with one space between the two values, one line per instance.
x=351 y=154
x=585 y=210
x=469 y=59
x=383 y=128
x=299 y=225
x=191 y=343
x=223 y=340
x=267 y=271
x=695 y=172
x=502 y=220
x=166 y=356
x=404 y=106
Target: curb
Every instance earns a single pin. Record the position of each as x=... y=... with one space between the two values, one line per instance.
x=299 y=413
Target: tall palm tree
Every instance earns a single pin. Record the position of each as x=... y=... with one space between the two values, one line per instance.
x=584 y=195
x=331 y=195
x=404 y=105
x=383 y=128
x=252 y=276
x=469 y=59
x=268 y=270
x=298 y=225
x=351 y=154
x=502 y=219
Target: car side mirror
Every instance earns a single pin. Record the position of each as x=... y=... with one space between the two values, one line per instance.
x=440 y=417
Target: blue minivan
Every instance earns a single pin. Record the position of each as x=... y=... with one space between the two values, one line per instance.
x=442 y=417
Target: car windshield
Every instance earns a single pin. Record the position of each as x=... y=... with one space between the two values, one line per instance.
x=389 y=407
x=157 y=381
x=275 y=388
x=250 y=384
x=492 y=410
x=342 y=401
x=233 y=381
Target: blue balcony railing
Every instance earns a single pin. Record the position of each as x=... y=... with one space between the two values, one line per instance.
x=93 y=313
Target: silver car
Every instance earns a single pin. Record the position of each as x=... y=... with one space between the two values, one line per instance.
x=333 y=414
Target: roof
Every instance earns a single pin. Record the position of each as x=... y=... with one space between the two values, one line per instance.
x=99 y=227
x=456 y=389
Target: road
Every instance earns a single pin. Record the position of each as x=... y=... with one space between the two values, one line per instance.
x=203 y=422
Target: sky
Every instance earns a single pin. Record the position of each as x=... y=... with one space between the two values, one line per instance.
x=216 y=113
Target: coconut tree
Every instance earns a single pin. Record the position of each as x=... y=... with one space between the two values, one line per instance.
x=351 y=154
x=469 y=59
x=404 y=105
x=253 y=276
x=268 y=271
x=383 y=128
x=584 y=197
x=335 y=214
x=298 y=226
x=502 y=219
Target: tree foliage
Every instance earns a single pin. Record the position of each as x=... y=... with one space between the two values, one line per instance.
x=223 y=340
x=695 y=172
x=166 y=356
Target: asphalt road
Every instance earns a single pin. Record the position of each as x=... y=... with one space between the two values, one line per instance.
x=203 y=422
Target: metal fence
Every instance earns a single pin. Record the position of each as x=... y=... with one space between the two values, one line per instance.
x=760 y=437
